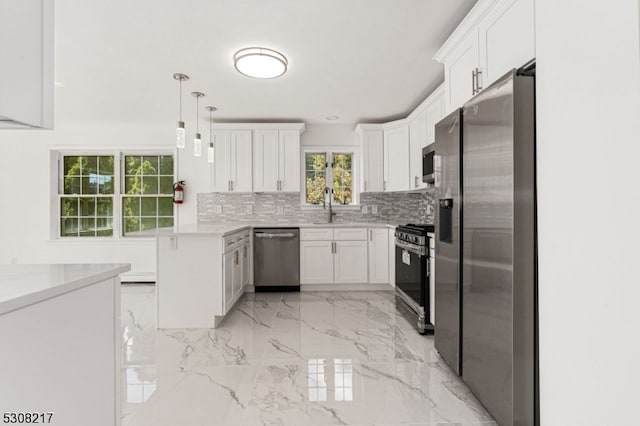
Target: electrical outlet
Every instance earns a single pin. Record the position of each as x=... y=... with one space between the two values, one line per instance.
x=250 y=209
x=374 y=209
x=365 y=209
x=173 y=243
x=217 y=209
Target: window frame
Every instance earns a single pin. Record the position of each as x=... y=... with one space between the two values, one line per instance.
x=57 y=156
x=329 y=151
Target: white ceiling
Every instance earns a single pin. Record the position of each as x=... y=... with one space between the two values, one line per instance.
x=363 y=60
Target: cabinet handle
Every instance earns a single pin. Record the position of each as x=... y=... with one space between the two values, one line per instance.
x=333 y=246
x=231 y=182
x=245 y=252
x=384 y=185
x=415 y=181
x=473 y=82
x=228 y=185
x=364 y=189
x=370 y=234
x=478 y=85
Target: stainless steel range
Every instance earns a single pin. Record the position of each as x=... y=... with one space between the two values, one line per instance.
x=412 y=274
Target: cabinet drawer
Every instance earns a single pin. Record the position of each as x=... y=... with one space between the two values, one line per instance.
x=350 y=234
x=316 y=234
x=237 y=239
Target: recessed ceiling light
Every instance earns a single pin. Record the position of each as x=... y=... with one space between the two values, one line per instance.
x=260 y=62
x=332 y=117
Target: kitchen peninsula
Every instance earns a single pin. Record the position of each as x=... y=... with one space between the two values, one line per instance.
x=60 y=328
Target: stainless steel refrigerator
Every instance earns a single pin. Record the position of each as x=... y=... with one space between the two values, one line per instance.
x=486 y=299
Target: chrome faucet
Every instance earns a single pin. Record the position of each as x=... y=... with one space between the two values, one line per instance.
x=329 y=191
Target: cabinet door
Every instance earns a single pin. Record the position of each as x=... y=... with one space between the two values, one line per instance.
x=241 y=161
x=507 y=38
x=265 y=161
x=228 y=260
x=435 y=112
x=432 y=286
x=221 y=168
x=372 y=161
x=396 y=159
x=316 y=262
x=459 y=72
x=417 y=140
x=237 y=272
x=392 y=258
x=246 y=265
x=378 y=255
x=289 y=160
x=350 y=262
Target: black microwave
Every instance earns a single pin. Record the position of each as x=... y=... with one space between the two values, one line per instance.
x=428 y=153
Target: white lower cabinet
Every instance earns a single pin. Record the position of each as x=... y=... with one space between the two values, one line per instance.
x=378 y=256
x=316 y=262
x=228 y=261
x=344 y=256
x=246 y=265
x=350 y=262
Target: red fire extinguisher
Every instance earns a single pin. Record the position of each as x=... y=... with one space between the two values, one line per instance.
x=178 y=192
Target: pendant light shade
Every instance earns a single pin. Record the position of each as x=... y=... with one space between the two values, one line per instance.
x=211 y=150
x=260 y=62
x=180 y=134
x=197 y=140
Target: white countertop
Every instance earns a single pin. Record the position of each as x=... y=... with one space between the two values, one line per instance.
x=24 y=285
x=223 y=229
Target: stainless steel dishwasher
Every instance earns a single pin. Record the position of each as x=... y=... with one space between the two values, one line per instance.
x=276 y=259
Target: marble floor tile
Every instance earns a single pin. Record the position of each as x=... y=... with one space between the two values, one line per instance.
x=312 y=358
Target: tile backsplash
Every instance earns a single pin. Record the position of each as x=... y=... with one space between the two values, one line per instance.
x=285 y=207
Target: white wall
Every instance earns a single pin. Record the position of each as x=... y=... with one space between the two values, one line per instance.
x=25 y=210
x=588 y=109
x=329 y=134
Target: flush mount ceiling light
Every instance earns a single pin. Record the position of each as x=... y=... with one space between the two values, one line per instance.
x=180 y=127
x=260 y=62
x=331 y=117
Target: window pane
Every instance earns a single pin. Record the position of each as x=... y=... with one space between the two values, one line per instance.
x=72 y=185
x=104 y=206
x=316 y=161
x=149 y=184
x=316 y=183
x=131 y=206
x=71 y=165
x=89 y=184
x=131 y=224
x=104 y=227
x=166 y=165
x=105 y=184
x=165 y=222
x=87 y=206
x=105 y=164
x=89 y=165
x=166 y=185
x=69 y=227
x=165 y=206
x=69 y=206
x=342 y=178
x=87 y=227
x=148 y=223
x=133 y=185
x=149 y=207
x=132 y=165
x=150 y=165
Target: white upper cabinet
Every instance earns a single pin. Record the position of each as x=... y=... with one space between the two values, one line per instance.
x=372 y=159
x=507 y=38
x=289 y=160
x=494 y=37
x=396 y=157
x=265 y=160
x=26 y=74
x=276 y=154
x=436 y=111
x=232 y=169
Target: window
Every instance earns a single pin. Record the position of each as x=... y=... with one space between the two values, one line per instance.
x=100 y=194
x=86 y=203
x=333 y=167
x=148 y=189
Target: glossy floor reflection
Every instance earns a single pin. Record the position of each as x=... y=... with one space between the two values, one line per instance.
x=316 y=358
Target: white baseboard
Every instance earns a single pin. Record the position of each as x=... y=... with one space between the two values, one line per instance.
x=346 y=287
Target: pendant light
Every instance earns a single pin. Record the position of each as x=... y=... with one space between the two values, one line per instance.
x=197 y=140
x=180 y=137
x=211 y=150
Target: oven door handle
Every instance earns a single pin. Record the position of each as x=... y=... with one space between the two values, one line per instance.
x=420 y=251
